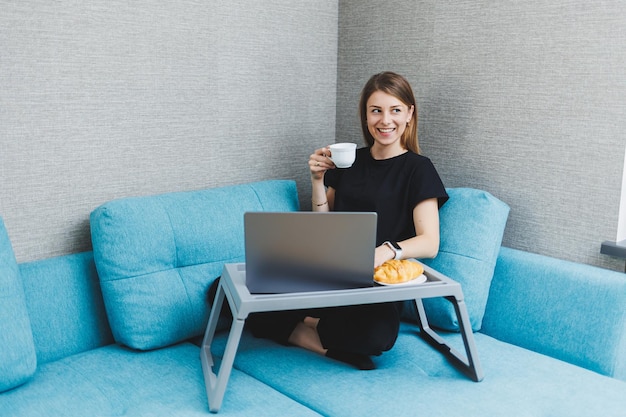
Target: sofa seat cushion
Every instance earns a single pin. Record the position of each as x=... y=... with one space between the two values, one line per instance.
x=472 y=226
x=156 y=256
x=414 y=379
x=116 y=381
x=18 y=359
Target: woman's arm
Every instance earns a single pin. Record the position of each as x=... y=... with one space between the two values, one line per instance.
x=426 y=242
x=322 y=198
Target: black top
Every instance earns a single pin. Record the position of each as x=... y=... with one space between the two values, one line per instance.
x=390 y=187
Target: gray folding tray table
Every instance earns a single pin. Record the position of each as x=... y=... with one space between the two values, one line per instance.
x=232 y=286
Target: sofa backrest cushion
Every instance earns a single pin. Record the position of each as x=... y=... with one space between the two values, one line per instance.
x=570 y=311
x=472 y=224
x=65 y=306
x=157 y=255
x=18 y=360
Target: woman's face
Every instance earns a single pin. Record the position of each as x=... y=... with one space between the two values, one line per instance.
x=387 y=118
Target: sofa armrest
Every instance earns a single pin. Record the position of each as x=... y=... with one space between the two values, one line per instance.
x=570 y=311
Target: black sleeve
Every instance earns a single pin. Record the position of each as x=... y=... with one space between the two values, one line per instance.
x=425 y=183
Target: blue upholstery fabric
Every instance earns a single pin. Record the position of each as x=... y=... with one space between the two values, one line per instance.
x=472 y=225
x=115 y=381
x=415 y=379
x=73 y=320
x=156 y=256
x=536 y=302
x=18 y=360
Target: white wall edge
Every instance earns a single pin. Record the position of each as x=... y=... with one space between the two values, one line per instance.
x=621 y=221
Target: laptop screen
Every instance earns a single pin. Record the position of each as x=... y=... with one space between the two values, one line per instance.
x=309 y=251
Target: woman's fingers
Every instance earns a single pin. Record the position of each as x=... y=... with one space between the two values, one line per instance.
x=319 y=161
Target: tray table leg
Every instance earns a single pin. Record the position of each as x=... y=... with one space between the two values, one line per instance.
x=468 y=363
x=216 y=383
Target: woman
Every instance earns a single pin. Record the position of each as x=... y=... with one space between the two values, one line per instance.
x=390 y=177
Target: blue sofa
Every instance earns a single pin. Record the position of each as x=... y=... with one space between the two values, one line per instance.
x=115 y=331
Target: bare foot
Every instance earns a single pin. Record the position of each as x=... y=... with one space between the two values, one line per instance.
x=311 y=322
x=305 y=336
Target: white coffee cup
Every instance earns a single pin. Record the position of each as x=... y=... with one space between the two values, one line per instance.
x=343 y=154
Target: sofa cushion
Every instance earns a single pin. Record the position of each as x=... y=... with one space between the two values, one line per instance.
x=413 y=378
x=116 y=381
x=18 y=360
x=76 y=324
x=536 y=302
x=472 y=225
x=157 y=255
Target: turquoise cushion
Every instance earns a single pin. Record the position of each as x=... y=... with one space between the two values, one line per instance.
x=76 y=324
x=472 y=225
x=156 y=256
x=18 y=359
x=115 y=381
x=571 y=311
x=414 y=379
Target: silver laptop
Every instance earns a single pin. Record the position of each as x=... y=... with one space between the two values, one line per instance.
x=309 y=251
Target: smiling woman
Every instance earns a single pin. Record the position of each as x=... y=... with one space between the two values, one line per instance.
x=388 y=177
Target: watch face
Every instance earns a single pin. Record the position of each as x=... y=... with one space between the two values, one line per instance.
x=393 y=245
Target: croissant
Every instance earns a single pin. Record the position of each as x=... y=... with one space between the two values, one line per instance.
x=398 y=271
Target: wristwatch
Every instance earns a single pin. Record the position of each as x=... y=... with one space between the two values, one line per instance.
x=395 y=248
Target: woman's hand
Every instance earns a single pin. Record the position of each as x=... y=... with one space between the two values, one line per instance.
x=322 y=198
x=382 y=254
x=319 y=163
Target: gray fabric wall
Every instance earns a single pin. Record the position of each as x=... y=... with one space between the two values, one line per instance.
x=106 y=98
x=526 y=100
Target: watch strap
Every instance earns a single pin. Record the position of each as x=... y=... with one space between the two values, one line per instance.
x=397 y=250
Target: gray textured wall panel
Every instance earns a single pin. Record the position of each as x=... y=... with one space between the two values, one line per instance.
x=524 y=99
x=105 y=99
